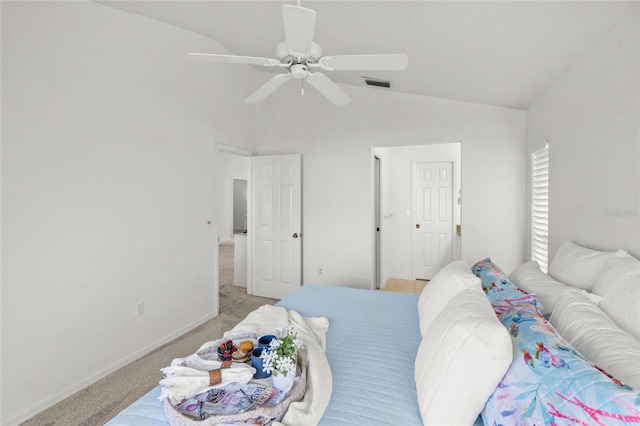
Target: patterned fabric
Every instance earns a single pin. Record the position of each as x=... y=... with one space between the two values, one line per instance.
x=549 y=382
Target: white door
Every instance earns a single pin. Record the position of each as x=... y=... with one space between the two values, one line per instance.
x=276 y=232
x=433 y=217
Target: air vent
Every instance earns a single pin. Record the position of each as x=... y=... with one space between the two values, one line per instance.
x=376 y=82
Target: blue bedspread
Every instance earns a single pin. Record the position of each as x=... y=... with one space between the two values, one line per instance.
x=361 y=322
x=147 y=411
x=371 y=345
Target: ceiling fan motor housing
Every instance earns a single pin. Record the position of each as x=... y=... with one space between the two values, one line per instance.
x=299 y=71
x=286 y=56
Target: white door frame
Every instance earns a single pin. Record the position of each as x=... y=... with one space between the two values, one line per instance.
x=377 y=161
x=220 y=147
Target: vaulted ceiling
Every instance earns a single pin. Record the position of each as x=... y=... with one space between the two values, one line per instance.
x=492 y=52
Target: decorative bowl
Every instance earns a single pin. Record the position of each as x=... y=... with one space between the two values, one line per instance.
x=224 y=356
x=226 y=350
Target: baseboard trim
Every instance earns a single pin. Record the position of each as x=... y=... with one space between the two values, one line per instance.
x=52 y=400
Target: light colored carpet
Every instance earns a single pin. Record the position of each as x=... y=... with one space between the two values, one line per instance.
x=98 y=403
x=405 y=286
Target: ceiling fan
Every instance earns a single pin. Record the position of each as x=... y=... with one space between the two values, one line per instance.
x=300 y=58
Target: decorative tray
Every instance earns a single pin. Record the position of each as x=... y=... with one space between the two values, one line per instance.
x=261 y=415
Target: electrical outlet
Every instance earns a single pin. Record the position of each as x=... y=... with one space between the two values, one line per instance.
x=319 y=271
x=140 y=309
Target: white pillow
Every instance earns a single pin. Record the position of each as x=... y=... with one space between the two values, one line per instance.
x=597 y=337
x=531 y=279
x=619 y=285
x=578 y=266
x=448 y=282
x=548 y=291
x=461 y=359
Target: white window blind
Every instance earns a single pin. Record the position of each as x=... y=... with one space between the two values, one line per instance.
x=540 y=207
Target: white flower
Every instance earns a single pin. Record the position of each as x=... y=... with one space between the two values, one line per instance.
x=282 y=354
x=275 y=343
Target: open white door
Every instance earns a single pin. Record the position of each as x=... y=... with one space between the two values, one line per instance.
x=276 y=225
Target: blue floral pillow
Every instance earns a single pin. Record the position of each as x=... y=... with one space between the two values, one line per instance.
x=548 y=382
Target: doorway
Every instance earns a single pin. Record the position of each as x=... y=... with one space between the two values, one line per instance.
x=400 y=245
x=278 y=204
x=233 y=166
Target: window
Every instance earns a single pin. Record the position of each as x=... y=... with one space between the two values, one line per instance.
x=540 y=207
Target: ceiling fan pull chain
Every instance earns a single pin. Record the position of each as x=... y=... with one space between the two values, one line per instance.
x=302 y=87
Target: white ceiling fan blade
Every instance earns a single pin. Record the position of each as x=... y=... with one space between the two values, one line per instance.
x=268 y=88
x=328 y=88
x=299 y=23
x=231 y=59
x=384 y=62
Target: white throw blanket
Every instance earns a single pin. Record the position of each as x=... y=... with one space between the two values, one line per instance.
x=312 y=332
x=181 y=382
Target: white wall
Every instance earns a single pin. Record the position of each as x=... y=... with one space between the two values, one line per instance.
x=337 y=171
x=108 y=146
x=397 y=226
x=591 y=117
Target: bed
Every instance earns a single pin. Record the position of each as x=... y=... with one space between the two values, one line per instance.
x=360 y=323
x=474 y=347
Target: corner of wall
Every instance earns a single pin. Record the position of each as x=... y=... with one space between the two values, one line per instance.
x=591 y=117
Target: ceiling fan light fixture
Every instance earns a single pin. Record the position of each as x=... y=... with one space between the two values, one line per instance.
x=376 y=82
x=299 y=71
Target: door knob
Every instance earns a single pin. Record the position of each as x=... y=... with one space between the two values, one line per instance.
x=295 y=235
